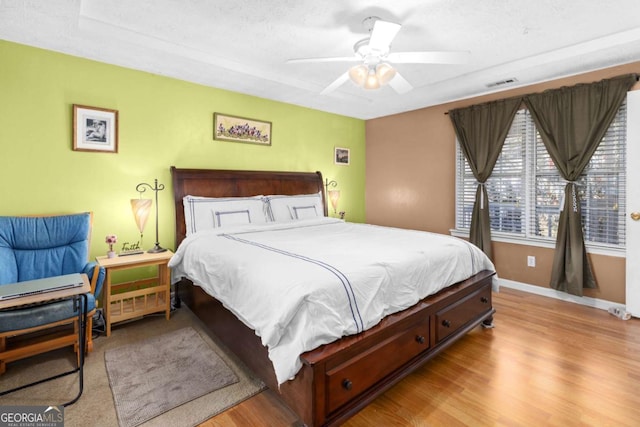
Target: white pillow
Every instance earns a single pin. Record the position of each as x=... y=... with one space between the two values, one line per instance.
x=304 y=211
x=289 y=208
x=205 y=213
x=227 y=218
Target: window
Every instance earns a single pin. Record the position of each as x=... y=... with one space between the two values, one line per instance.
x=526 y=191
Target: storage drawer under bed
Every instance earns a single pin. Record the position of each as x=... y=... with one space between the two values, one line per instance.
x=455 y=316
x=355 y=375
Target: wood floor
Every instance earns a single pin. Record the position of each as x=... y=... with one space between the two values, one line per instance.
x=546 y=363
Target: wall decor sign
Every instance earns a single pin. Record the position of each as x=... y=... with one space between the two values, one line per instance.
x=341 y=156
x=95 y=129
x=241 y=129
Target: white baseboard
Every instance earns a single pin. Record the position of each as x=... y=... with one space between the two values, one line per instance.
x=552 y=293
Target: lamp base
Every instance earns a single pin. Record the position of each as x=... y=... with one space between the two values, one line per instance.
x=156 y=249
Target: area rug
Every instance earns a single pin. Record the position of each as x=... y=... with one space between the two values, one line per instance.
x=96 y=407
x=154 y=376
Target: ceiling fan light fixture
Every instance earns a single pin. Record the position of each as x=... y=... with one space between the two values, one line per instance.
x=372 y=81
x=358 y=74
x=384 y=73
x=375 y=59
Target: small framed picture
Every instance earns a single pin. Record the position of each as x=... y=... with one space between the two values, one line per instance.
x=240 y=129
x=95 y=129
x=341 y=156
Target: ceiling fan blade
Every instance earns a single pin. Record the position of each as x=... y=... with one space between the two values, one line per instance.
x=336 y=84
x=383 y=34
x=330 y=59
x=400 y=84
x=435 y=57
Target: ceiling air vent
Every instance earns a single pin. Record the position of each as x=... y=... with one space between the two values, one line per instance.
x=503 y=82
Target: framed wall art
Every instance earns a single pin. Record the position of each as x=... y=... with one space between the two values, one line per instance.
x=341 y=156
x=95 y=129
x=241 y=129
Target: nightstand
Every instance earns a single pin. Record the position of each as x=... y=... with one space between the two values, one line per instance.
x=129 y=300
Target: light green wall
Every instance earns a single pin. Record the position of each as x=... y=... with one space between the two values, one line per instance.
x=163 y=122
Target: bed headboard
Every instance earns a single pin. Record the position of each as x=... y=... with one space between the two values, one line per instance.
x=232 y=183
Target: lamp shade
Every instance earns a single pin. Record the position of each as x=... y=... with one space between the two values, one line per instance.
x=334 y=196
x=358 y=74
x=385 y=73
x=371 y=82
x=141 y=209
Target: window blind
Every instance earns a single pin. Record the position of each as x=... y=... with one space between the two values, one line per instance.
x=525 y=190
x=505 y=187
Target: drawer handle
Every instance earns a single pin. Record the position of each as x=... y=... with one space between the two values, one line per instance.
x=446 y=323
x=420 y=339
x=484 y=300
x=347 y=384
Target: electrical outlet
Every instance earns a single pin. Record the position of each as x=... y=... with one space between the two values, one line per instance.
x=531 y=261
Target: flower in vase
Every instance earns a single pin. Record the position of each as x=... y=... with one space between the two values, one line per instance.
x=111 y=240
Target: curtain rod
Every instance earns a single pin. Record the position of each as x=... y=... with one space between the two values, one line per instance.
x=522 y=96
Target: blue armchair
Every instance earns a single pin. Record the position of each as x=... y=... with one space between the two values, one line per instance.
x=35 y=248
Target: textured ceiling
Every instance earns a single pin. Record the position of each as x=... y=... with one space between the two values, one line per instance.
x=243 y=45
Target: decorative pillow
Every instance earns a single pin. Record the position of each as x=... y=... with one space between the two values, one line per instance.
x=205 y=213
x=227 y=218
x=289 y=208
x=302 y=212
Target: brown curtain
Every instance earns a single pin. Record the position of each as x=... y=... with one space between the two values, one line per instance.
x=481 y=131
x=572 y=121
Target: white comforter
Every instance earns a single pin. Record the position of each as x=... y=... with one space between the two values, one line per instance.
x=300 y=285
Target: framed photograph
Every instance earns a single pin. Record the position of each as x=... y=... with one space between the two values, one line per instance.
x=95 y=129
x=241 y=129
x=341 y=156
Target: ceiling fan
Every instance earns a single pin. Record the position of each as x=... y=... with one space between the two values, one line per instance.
x=375 y=57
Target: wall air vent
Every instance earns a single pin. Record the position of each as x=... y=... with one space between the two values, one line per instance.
x=503 y=82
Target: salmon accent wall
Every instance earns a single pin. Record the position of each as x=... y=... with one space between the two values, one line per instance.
x=410 y=177
x=410 y=183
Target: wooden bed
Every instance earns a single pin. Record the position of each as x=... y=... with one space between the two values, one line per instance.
x=338 y=379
